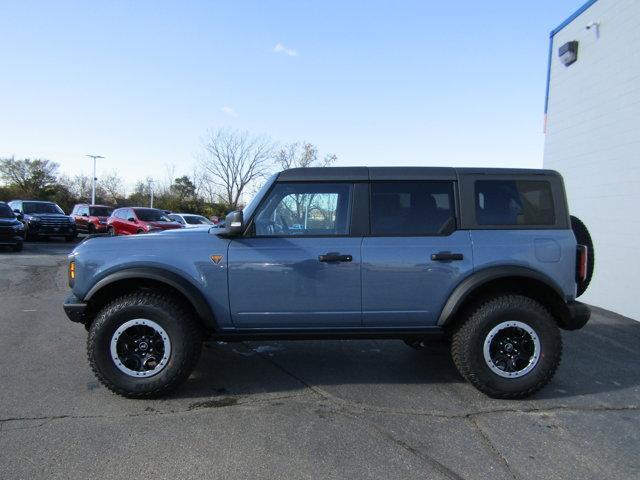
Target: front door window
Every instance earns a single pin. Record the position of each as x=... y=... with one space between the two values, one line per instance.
x=299 y=209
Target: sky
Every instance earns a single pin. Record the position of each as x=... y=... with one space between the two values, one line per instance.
x=446 y=83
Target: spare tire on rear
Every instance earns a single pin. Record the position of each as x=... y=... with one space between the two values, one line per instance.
x=584 y=238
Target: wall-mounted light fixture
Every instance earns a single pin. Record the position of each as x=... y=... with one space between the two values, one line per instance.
x=568 y=53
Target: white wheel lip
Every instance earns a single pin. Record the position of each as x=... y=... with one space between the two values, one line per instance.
x=532 y=362
x=165 y=340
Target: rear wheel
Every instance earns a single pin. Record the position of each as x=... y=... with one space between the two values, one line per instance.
x=583 y=237
x=144 y=345
x=510 y=347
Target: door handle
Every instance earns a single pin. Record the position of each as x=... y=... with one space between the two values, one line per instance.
x=446 y=256
x=334 y=257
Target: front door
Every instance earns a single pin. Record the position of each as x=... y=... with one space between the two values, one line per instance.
x=298 y=267
x=414 y=257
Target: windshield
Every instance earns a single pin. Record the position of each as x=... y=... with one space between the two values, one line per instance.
x=6 y=212
x=151 y=215
x=197 y=220
x=41 y=207
x=100 y=211
x=251 y=206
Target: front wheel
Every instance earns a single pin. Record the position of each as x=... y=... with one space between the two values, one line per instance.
x=111 y=232
x=144 y=345
x=510 y=347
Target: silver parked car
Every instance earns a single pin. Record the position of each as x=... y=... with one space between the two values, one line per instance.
x=190 y=220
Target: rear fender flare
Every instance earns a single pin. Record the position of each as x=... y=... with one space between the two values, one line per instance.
x=480 y=278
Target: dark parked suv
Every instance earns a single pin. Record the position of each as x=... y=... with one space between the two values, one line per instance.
x=11 y=228
x=44 y=219
x=484 y=258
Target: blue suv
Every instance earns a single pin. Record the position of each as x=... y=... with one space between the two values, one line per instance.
x=486 y=259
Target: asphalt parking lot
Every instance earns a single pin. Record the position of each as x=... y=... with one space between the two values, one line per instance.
x=339 y=409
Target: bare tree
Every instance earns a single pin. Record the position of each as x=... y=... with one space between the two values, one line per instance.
x=302 y=155
x=113 y=186
x=79 y=186
x=234 y=160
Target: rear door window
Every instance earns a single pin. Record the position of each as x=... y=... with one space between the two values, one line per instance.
x=514 y=202
x=412 y=208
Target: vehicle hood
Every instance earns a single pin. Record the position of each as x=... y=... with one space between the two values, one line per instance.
x=7 y=222
x=46 y=215
x=164 y=225
x=167 y=242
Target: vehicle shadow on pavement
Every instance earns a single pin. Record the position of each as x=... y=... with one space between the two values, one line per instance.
x=601 y=358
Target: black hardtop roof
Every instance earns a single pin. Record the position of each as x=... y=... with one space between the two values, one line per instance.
x=397 y=173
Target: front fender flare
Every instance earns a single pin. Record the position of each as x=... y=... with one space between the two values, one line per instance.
x=172 y=279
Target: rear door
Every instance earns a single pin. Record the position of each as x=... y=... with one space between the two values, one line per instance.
x=415 y=255
x=299 y=267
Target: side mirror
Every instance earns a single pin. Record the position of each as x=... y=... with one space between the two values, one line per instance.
x=131 y=219
x=18 y=214
x=85 y=214
x=235 y=223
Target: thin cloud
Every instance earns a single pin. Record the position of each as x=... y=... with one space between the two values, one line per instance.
x=280 y=48
x=229 y=111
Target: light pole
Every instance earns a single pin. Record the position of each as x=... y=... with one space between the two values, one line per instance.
x=93 y=180
x=151 y=191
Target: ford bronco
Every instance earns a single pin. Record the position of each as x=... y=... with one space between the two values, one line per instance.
x=485 y=259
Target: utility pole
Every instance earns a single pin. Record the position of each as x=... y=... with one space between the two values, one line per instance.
x=151 y=191
x=93 y=180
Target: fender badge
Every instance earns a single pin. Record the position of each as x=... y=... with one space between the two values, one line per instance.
x=216 y=259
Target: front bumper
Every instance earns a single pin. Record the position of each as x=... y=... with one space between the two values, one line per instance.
x=50 y=231
x=577 y=316
x=75 y=309
x=14 y=239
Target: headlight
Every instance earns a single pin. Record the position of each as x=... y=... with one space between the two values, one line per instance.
x=18 y=226
x=72 y=220
x=34 y=220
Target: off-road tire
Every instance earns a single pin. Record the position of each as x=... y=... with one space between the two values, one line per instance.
x=468 y=341
x=180 y=325
x=583 y=237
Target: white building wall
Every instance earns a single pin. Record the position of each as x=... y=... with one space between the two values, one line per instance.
x=593 y=140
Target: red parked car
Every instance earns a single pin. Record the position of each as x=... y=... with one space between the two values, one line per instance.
x=91 y=218
x=134 y=220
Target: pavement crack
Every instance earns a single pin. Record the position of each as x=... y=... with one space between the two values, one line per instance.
x=492 y=448
x=318 y=391
x=407 y=447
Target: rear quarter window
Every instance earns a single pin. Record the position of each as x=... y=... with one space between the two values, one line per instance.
x=514 y=202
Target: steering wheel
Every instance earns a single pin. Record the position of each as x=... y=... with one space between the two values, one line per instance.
x=275 y=227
